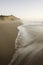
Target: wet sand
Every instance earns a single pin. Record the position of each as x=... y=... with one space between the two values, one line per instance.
x=8 y=34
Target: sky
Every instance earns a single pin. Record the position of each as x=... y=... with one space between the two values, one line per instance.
x=24 y=9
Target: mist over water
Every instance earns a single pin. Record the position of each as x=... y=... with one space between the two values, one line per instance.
x=33 y=22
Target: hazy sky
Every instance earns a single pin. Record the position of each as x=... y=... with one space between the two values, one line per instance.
x=25 y=9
